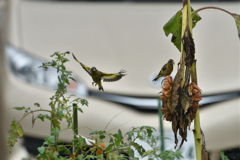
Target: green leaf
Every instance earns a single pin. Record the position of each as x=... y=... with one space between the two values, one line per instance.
x=117 y=142
x=102 y=136
x=41 y=150
x=237 y=20
x=64 y=60
x=94 y=132
x=174 y=26
x=51 y=139
x=84 y=102
x=223 y=157
x=196 y=18
x=63 y=67
x=60 y=113
x=36 y=104
x=19 y=108
x=109 y=147
x=55 y=131
x=54 y=63
x=120 y=134
x=116 y=136
x=79 y=109
x=130 y=135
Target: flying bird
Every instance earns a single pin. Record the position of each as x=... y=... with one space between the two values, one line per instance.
x=97 y=75
x=166 y=69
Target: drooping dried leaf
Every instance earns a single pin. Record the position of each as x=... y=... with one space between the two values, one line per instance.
x=175 y=89
x=205 y=154
x=237 y=20
x=189 y=47
x=186 y=102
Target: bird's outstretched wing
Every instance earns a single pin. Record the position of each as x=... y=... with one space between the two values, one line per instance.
x=111 y=77
x=86 y=68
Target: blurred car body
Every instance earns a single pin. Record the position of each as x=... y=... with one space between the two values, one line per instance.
x=114 y=36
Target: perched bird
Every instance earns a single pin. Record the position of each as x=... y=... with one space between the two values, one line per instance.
x=97 y=75
x=166 y=69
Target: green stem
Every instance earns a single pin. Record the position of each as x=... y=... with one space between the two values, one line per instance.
x=187 y=22
x=33 y=112
x=75 y=123
x=161 y=125
x=211 y=7
x=197 y=128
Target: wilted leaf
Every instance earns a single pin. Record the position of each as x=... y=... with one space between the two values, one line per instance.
x=186 y=102
x=20 y=131
x=189 y=47
x=205 y=154
x=237 y=20
x=175 y=89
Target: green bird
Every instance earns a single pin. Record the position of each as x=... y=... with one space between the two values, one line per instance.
x=166 y=70
x=97 y=75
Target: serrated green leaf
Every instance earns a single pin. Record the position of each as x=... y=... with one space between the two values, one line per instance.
x=55 y=131
x=64 y=60
x=51 y=139
x=41 y=150
x=60 y=113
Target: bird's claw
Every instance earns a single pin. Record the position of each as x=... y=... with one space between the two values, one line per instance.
x=93 y=83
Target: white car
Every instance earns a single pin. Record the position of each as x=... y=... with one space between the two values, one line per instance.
x=113 y=36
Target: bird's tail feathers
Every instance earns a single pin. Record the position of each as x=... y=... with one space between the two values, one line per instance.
x=155 y=79
x=100 y=87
